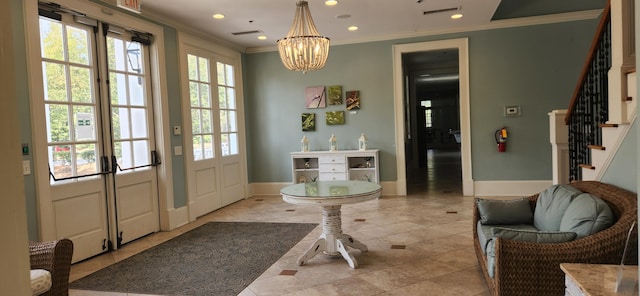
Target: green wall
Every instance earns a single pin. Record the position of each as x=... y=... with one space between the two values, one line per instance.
x=535 y=67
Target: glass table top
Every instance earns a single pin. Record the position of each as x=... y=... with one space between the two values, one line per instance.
x=331 y=189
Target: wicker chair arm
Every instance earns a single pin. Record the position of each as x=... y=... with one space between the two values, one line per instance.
x=54 y=256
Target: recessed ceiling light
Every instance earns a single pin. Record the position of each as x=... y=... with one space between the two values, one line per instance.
x=456 y=16
x=352 y=28
x=330 y=2
x=262 y=37
x=218 y=16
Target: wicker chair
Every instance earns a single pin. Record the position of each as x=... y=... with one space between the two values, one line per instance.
x=54 y=256
x=524 y=268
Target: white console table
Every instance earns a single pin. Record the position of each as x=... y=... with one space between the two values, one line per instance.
x=335 y=166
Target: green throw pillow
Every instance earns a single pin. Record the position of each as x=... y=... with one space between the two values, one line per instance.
x=515 y=211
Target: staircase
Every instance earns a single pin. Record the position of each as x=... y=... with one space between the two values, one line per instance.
x=604 y=102
x=612 y=136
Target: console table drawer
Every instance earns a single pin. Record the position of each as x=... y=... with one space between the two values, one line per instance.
x=332 y=168
x=332 y=176
x=331 y=159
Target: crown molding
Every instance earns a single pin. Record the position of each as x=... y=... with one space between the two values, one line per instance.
x=497 y=24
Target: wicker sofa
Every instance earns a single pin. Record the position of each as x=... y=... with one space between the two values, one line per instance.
x=528 y=268
x=55 y=257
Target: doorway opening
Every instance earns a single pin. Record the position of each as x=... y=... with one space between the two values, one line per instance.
x=432 y=117
x=433 y=141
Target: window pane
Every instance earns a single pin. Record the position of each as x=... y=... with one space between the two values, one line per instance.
x=203 y=69
x=81 y=86
x=121 y=123
x=84 y=120
x=51 y=39
x=197 y=147
x=195 y=121
x=231 y=98
x=224 y=144
x=118 y=85
x=207 y=143
x=78 y=44
x=54 y=81
x=193 y=94
x=192 y=67
x=232 y=121
x=229 y=71
x=206 y=122
x=60 y=161
x=220 y=73
x=233 y=143
x=57 y=123
x=117 y=60
x=136 y=90
x=222 y=97
x=224 y=121
x=141 y=153
x=205 y=97
x=134 y=57
x=124 y=154
x=139 y=123
x=86 y=159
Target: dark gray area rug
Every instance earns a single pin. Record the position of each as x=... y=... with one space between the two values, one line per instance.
x=217 y=258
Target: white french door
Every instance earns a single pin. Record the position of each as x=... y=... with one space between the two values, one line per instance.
x=99 y=132
x=216 y=173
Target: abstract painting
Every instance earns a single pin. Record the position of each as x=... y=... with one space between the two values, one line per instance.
x=316 y=97
x=353 y=100
x=335 y=95
x=308 y=122
x=335 y=117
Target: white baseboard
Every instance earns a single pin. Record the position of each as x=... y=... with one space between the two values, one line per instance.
x=510 y=188
x=178 y=217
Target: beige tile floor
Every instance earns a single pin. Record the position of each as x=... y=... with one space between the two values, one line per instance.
x=433 y=224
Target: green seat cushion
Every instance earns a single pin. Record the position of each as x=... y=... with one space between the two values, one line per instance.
x=485 y=232
x=586 y=215
x=514 y=211
x=551 y=205
x=523 y=235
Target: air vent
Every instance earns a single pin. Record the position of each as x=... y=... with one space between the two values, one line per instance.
x=440 y=10
x=246 y=32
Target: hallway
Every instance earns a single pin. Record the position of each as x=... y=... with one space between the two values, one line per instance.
x=443 y=174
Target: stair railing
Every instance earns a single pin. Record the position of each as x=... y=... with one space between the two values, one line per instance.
x=589 y=105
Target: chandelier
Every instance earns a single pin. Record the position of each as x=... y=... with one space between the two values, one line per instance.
x=303 y=49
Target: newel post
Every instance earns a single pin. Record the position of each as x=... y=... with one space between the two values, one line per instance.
x=559 y=138
x=622 y=58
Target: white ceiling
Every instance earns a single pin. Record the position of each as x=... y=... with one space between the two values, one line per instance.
x=376 y=19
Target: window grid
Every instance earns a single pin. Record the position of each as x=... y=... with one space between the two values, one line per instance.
x=70 y=108
x=201 y=108
x=228 y=110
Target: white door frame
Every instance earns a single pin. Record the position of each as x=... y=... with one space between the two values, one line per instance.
x=462 y=44
x=47 y=230
x=189 y=44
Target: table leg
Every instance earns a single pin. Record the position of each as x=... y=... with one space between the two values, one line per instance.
x=332 y=241
x=349 y=241
x=345 y=254
x=318 y=246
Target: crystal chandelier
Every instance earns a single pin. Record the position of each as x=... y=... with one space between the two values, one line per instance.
x=303 y=49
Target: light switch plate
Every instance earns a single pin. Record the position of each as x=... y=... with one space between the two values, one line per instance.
x=26 y=167
x=177 y=150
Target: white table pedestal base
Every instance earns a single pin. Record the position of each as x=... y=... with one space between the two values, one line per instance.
x=332 y=241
